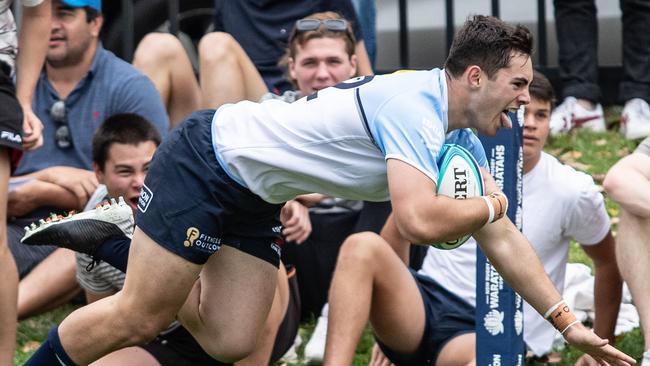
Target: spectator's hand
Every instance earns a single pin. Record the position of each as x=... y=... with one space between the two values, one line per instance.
x=588 y=342
x=82 y=183
x=377 y=358
x=32 y=130
x=295 y=219
x=586 y=360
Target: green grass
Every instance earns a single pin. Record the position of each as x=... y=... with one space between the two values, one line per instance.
x=589 y=152
x=33 y=331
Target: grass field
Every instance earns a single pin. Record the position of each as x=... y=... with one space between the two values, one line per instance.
x=592 y=153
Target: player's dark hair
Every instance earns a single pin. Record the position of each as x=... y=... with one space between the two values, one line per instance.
x=489 y=43
x=123 y=128
x=541 y=88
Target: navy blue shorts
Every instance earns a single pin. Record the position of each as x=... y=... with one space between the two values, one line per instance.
x=446 y=316
x=190 y=206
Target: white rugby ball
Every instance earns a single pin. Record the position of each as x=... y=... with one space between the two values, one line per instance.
x=459 y=177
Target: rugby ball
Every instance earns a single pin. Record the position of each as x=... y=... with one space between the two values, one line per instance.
x=459 y=177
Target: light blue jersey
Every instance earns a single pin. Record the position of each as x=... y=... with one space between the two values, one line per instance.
x=336 y=141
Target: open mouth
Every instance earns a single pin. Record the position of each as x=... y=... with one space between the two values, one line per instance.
x=506 y=122
x=133 y=201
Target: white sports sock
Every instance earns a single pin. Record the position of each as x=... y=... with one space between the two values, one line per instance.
x=646 y=358
x=325 y=310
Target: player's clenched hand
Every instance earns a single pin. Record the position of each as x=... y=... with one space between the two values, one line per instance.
x=588 y=342
x=295 y=220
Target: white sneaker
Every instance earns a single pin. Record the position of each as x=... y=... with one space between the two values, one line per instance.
x=315 y=348
x=570 y=114
x=635 y=119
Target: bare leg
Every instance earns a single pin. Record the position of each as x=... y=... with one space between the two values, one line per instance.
x=371 y=282
x=628 y=183
x=8 y=273
x=49 y=285
x=459 y=351
x=162 y=58
x=262 y=353
x=633 y=256
x=130 y=356
x=229 y=305
x=227 y=74
x=157 y=284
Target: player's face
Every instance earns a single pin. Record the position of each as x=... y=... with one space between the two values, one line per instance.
x=320 y=63
x=536 y=129
x=125 y=169
x=507 y=91
x=71 y=35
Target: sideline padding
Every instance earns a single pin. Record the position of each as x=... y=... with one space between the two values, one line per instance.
x=499 y=312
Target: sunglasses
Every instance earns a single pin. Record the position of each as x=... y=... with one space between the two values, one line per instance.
x=62 y=133
x=336 y=25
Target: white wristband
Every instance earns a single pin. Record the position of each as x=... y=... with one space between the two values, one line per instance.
x=490 y=209
x=569 y=326
x=552 y=309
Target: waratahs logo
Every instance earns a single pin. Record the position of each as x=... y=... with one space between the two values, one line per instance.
x=519 y=322
x=493 y=322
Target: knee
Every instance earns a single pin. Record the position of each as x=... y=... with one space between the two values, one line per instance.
x=141 y=328
x=216 y=47
x=156 y=48
x=615 y=184
x=361 y=248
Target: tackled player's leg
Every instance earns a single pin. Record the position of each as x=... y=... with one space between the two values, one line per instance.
x=229 y=304
x=157 y=284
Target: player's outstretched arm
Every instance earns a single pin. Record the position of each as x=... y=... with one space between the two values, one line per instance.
x=511 y=254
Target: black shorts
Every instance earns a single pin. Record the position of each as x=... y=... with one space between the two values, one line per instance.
x=291 y=322
x=446 y=316
x=179 y=348
x=190 y=206
x=11 y=116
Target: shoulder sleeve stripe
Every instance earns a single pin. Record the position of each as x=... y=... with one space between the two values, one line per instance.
x=362 y=113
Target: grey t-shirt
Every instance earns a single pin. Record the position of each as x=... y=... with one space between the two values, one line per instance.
x=8 y=31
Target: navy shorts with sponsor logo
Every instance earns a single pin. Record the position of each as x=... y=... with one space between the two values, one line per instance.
x=11 y=116
x=446 y=316
x=190 y=206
